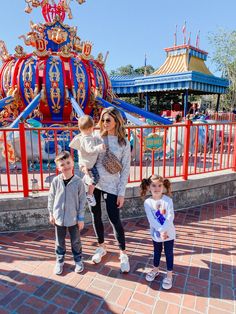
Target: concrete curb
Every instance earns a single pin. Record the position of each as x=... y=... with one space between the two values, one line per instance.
x=18 y=213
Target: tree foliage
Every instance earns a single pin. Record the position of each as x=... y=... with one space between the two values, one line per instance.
x=224 y=56
x=130 y=70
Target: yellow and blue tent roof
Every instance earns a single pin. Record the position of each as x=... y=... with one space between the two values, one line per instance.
x=184 y=58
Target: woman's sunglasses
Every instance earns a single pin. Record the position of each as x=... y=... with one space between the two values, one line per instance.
x=106 y=120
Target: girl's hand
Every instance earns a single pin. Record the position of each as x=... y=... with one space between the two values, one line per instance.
x=164 y=235
x=120 y=201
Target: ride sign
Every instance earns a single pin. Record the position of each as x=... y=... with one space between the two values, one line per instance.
x=153 y=142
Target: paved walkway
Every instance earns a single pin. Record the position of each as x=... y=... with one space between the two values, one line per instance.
x=204 y=279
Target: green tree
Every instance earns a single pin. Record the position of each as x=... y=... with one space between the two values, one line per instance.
x=224 y=56
x=123 y=71
x=129 y=70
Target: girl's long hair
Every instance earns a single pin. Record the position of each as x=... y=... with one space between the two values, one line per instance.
x=145 y=183
x=119 y=128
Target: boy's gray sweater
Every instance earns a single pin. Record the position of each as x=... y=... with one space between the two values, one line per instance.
x=67 y=203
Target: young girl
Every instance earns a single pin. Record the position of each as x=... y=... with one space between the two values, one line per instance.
x=160 y=214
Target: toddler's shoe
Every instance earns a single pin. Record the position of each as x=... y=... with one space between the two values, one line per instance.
x=124 y=263
x=79 y=267
x=99 y=253
x=58 y=269
x=91 y=200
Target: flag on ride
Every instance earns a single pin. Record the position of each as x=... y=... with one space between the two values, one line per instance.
x=175 y=36
x=198 y=39
x=145 y=65
x=189 y=39
x=184 y=32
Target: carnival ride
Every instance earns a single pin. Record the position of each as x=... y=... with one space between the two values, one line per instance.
x=53 y=85
x=60 y=79
x=56 y=82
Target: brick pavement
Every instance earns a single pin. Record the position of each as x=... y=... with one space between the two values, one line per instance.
x=204 y=280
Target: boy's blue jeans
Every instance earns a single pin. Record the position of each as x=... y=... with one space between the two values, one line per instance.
x=76 y=247
x=168 y=249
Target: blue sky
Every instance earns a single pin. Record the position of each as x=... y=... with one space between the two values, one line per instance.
x=127 y=28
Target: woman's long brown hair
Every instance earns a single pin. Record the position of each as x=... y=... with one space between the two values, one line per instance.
x=119 y=128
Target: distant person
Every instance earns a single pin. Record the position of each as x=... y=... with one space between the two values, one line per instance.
x=178 y=118
x=176 y=106
x=193 y=109
x=66 y=206
x=88 y=146
x=160 y=214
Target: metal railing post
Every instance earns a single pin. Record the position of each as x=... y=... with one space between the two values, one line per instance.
x=24 y=162
x=186 y=148
x=234 y=154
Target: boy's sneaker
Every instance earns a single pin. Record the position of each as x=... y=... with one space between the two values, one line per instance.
x=167 y=283
x=99 y=253
x=58 y=269
x=79 y=267
x=124 y=263
x=91 y=200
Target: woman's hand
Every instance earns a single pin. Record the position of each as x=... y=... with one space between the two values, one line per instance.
x=120 y=201
x=51 y=219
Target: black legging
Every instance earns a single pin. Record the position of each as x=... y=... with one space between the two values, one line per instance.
x=113 y=214
x=168 y=249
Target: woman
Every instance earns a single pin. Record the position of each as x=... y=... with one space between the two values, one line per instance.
x=112 y=186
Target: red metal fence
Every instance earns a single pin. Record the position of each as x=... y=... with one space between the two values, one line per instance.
x=179 y=150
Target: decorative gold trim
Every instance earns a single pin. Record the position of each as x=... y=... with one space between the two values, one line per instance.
x=80 y=78
x=86 y=50
x=27 y=79
x=65 y=51
x=55 y=93
x=19 y=52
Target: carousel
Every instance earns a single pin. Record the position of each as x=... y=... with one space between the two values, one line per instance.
x=60 y=79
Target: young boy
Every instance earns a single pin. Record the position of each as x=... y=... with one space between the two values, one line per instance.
x=88 y=146
x=66 y=205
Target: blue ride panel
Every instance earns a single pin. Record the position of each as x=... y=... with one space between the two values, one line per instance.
x=55 y=88
x=27 y=77
x=141 y=112
x=80 y=81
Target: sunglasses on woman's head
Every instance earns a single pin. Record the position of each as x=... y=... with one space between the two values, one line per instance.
x=106 y=120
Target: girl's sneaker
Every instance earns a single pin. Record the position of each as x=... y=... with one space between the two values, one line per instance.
x=151 y=275
x=99 y=253
x=167 y=283
x=124 y=263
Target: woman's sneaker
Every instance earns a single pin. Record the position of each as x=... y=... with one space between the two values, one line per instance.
x=124 y=263
x=99 y=253
x=58 y=269
x=79 y=267
x=91 y=200
x=167 y=283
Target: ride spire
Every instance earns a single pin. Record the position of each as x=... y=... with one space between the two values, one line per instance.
x=52 y=10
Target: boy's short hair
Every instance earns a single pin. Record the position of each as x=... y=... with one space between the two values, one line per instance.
x=62 y=156
x=85 y=122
